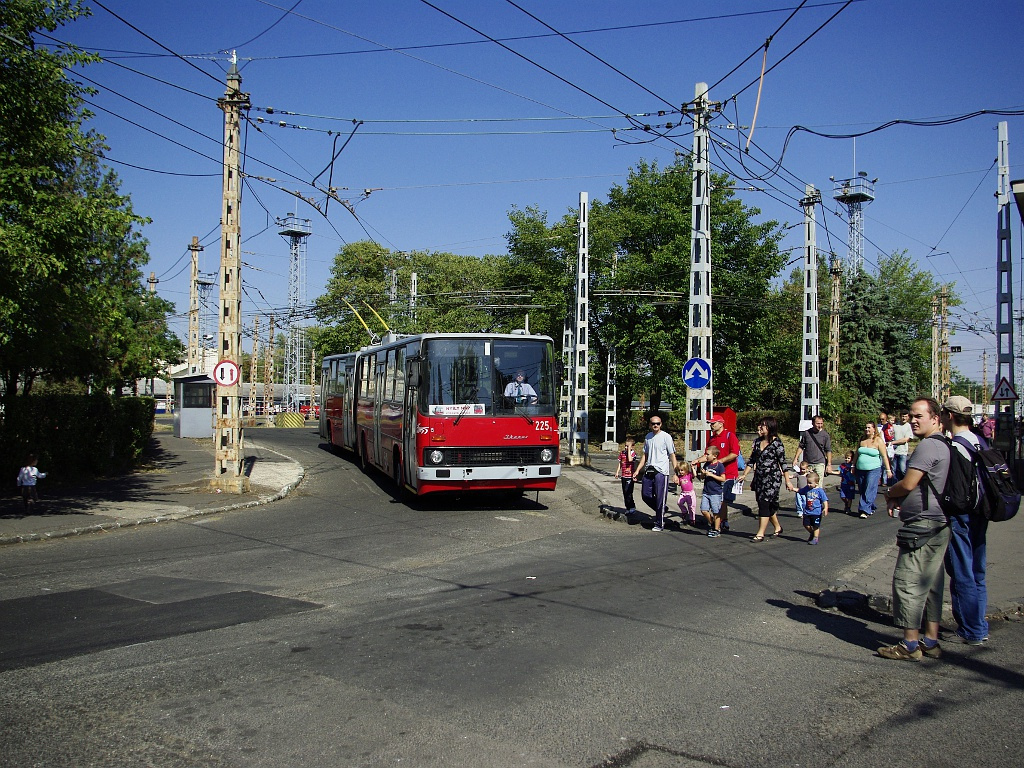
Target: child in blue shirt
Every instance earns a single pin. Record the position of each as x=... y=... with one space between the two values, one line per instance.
x=714 y=492
x=814 y=504
x=847 y=482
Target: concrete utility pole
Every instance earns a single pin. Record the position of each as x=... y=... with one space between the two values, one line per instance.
x=268 y=375
x=700 y=402
x=579 y=452
x=252 y=366
x=936 y=385
x=565 y=395
x=193 y=309
x=312 y=380
x=412 y=302
x=836 y=271
x=944 y=378
x=985 y=385
x=1005 y=367
x=810 y=382
x=610 y=392
x=228 y=440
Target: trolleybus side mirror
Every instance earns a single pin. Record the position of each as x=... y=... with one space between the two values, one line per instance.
x=412 y=373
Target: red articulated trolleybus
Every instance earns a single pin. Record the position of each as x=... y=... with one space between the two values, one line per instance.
x=447 y=411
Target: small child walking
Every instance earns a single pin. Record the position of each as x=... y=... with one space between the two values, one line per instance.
x=800 y=480
x=687 y=496
x=624 y=472
x=815 y=506
x=714 y=492
x=27 y=477
x=847 y=482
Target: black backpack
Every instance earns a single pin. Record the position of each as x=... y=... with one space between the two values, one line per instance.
x=961 y=492
x=999 y=498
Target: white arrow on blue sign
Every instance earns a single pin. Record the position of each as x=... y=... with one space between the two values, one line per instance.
x=697 y=373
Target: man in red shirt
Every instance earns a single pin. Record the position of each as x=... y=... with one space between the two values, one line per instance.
x=729 y=449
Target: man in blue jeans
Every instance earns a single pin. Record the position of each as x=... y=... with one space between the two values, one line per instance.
x=965 y=556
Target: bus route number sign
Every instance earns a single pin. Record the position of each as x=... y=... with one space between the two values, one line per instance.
x=226 y=373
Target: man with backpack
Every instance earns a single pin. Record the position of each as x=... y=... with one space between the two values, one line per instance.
x=918 y=580
x=965 y=556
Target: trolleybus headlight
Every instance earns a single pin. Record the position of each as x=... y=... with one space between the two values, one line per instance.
x=435 y=457
x=546 y=455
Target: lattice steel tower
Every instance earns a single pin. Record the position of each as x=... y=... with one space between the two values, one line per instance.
x=296 y=230
x=854 y=194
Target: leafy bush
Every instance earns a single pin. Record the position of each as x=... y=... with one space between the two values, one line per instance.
x=75 y=436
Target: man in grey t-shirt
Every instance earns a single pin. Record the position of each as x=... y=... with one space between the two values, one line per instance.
x=918 y=581
x=815 y=448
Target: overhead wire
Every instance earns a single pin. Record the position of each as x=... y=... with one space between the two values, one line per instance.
x=280 y=18
x=592 y=54
x=156 y=42
x=525 y=58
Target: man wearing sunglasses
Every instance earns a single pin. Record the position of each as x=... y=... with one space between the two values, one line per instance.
x=660 y=456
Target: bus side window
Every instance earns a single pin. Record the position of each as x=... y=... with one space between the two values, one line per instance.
x=389 y=376
x=400 y=374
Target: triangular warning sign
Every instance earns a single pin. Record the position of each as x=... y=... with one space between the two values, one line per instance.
x=1004 y=391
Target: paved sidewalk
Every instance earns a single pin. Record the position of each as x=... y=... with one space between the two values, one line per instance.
x=869 y=580
x=172 y=484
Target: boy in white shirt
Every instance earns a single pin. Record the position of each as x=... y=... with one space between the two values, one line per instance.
x=27 y=477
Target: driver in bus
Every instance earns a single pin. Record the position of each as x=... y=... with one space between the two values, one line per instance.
x=520 y=390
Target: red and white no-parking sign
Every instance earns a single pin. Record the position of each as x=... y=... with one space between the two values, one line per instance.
x=226 y=373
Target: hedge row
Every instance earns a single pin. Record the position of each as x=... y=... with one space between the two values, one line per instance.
x=75 y=436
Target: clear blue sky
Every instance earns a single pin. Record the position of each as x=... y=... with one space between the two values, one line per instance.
x=457 y=130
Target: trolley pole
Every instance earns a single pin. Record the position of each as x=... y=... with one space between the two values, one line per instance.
x=227 y=434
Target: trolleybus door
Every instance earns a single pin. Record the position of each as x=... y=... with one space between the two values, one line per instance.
x=410 y=421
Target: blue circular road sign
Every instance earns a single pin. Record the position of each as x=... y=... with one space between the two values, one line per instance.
x=697 y=373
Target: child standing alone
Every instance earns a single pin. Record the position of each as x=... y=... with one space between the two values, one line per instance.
x=815 y=506
x=27 y=477
x=624 y=471
x=847 y=482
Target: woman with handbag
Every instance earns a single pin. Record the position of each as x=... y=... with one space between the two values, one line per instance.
x=766 y=458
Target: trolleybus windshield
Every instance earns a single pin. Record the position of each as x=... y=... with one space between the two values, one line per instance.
x=480 y=377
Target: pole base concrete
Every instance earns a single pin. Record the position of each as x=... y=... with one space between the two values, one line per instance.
x=230 y=484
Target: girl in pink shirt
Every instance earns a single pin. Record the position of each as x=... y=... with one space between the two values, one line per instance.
x=687 y=496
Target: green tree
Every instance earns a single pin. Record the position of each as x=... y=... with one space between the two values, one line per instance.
x=71 y=304
x=454 y=294
x=885 y=334
x=641 y=306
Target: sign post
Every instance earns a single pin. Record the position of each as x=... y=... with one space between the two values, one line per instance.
x=1006 y=431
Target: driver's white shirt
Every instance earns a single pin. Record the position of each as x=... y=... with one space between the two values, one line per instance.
x=517 y=389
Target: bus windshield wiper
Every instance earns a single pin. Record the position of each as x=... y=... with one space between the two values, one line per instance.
x=459 y=417
x=524 y=415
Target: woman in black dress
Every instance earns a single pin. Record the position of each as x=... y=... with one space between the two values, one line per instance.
x=766 y=459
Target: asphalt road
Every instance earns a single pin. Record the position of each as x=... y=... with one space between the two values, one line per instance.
x=340 y=628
